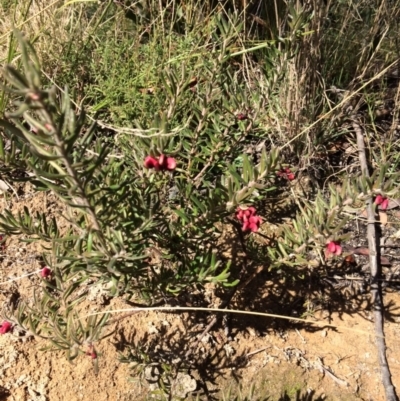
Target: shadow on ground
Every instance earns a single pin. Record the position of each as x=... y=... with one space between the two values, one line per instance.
x=207 y=356
x=310 y=396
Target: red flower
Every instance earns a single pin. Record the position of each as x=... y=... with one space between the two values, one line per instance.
x=5 y=327
x=167 y=163
x=151 y=162
x=45 y=272
x=248 y=217
x=239 y=214
x=382 y=201
x=286 y=173
x=333 y=248
x=163 y=163
x=252 y=224
x=243 y=215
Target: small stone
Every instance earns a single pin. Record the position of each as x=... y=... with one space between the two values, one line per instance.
x=229 y=350
x=252 y=332
x=153 y=387
x=152 y=328
x=184 y=384
x=206 y=339
x=152 y=374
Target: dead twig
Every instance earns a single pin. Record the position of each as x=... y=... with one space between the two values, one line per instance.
x=327 y=371
x=112 y=321
x=376 y=272
x=346 y=277
x=257 y=351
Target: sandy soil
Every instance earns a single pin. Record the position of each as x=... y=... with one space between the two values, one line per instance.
x=280 y=359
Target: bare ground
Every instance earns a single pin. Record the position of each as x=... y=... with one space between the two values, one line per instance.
x=281 y=360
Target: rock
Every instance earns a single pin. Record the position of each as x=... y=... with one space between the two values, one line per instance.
x=183 y=385
x=152 y=374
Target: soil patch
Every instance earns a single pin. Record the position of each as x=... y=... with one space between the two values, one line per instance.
x=259 y=358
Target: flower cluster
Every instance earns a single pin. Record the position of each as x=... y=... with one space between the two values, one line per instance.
x=162 y=163
x=249 y=219
x=382 y=202
x=333 y=248
x=5 y=327
x=286 y=173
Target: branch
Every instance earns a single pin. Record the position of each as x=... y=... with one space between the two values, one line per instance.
x=231 y=294
x=376 y=271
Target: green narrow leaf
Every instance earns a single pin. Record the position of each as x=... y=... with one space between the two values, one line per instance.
x=182 y=215
x=199 y=205
x=247 y=170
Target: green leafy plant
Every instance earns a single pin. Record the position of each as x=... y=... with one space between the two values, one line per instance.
x=193 y=115
x=117 y=221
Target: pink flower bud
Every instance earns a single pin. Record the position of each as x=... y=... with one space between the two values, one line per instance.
x=251 y=211
x=385 y=204
x=252 y=224
x=253 y=227
x=239 y=213
x=382 y=202
x=255 y=220
x=244 y=215
x=45 y=272
x=167 y=163
x=246 y=226
x=5 y=327
x=333 y=248
x=151 y=162
x=171 y=163
x=162 y=160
